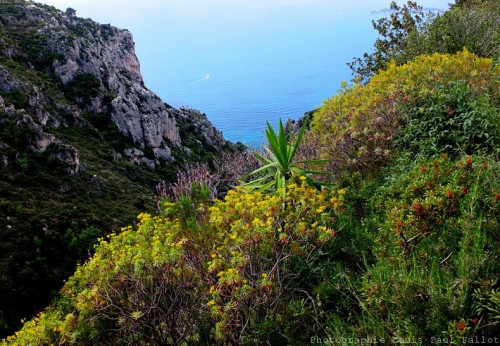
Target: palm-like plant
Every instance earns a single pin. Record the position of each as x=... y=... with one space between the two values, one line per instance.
x=278 y=165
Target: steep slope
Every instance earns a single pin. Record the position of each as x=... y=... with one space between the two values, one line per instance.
x=82 y=144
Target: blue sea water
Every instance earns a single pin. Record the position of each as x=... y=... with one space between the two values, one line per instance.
x=286 y=65
x=243 y=63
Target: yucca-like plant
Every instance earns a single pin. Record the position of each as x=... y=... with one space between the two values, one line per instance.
x=278 y=165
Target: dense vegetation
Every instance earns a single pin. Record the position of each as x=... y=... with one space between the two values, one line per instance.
x=410 y=31
x=400 y=244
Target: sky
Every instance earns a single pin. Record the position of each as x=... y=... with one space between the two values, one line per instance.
x=122 y=12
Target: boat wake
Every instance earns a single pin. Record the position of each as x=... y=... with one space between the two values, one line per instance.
x=207 y=77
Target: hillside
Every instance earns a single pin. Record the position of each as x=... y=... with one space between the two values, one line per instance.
x=83 y=143
x=376 y=222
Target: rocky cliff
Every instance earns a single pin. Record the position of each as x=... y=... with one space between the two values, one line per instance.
x=82 y=144
x=93 y=70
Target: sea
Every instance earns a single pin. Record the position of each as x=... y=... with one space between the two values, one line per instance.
x=243 y=63
x=286 y=65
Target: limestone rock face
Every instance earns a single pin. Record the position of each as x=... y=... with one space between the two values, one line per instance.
x=39 y=141
x=192 y=120
x=68 y=155
x=100 y=75
x=108 y=54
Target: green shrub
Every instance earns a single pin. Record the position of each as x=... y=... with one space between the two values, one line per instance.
x=452 y=121
x=355 y=130
x=279 y=165
x=472 y=25
x=18 y=98
x=393 y=44
x=410 y=31
x=82 y=88
x=437 y=244
x=81 y=241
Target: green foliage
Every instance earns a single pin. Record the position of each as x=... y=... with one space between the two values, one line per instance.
x=49 y=219
x=487 y=303
x=10 y=8
x=450 y=120
x=394 y=41
x=149 y=285
x=424 y=204
x=472 y=24
x=254 y=273
x=278 y=164
x=410 y=253
x=201 y=150
x=410 y=32
x=40 y=202
x=81 y=242
x=263 y=268
x=17 y=97
x=356 y=129
x=436 y=243
x=70 y=12
x=22 y=30
x=82 y=88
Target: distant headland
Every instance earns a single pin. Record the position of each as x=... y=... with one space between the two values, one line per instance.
x=388 y=10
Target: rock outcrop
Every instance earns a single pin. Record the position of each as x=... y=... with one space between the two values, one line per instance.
x=99 y=73
x=40 y=141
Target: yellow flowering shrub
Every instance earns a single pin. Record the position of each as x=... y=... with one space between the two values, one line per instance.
x=252 y=265
x=143 y=283
x=355 y=129
x=35 y=331
x=170 y=284
x=146 y=281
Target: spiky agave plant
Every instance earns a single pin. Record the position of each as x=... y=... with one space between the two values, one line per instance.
x=278 y=165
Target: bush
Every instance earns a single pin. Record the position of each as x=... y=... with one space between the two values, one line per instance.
x=394 y=42
x=437 y=247
x=254 y=292
x=231 y=277
x=451 y=121
x=410 y=31
x=82 y=88
x=18 y=98
x=472 y=25
x=357 y=128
